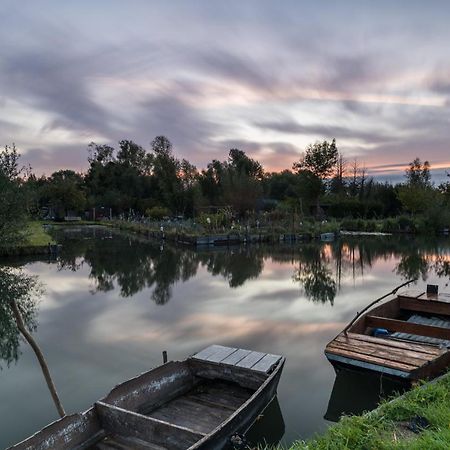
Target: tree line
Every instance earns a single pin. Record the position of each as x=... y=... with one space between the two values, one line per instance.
x=155 y=183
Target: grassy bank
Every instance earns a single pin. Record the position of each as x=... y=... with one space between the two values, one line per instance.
x=34 y=240
x=35 y=235
x=387 y=427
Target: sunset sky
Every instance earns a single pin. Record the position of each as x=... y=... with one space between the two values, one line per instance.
x=268 y=77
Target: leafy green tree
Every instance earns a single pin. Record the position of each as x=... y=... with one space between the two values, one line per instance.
x=417 y=193
x=166 y=170
x=12 y=199
x=418 y=173
x=320 y=160
x=65 y=192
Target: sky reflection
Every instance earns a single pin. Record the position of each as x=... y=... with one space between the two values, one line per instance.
x=96 y=334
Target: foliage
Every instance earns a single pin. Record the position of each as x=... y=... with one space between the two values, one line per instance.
x=384 y=429
x=64 y=192
x=24 y=289
x=157 y=212
x=133 y=181
x=320 y=159
x=12 y=199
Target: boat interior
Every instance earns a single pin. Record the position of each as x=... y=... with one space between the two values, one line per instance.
x=175 y=406
x=411 y=316
x=408 y=336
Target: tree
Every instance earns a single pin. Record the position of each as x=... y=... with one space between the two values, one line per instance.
x=418 y=173
x=100 y=154
x=12 y=200
x=338 y=182
x=64 y=191
x=18 y=294
x=417 y=193
x=320 y=160
x=166 y=170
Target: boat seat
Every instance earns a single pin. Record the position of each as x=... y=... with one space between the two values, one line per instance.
x=422 y=320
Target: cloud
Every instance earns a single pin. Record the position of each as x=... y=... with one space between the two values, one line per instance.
x=324 y=131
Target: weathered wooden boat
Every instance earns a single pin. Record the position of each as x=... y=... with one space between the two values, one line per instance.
x=406 y=337
x=198 y=403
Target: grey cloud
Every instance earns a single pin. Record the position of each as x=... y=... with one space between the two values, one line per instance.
x=50 y=159
x=325 y=131
x=54 y=82
x=232 y=66
x=185 y=126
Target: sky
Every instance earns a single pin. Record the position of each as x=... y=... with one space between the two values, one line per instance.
x=267 y=77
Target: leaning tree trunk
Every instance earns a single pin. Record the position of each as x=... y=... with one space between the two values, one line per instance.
x=45 y=370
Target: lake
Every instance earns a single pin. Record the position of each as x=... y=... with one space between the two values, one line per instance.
x=115 y=301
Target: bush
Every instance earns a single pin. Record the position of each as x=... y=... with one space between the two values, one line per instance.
x=157 y=212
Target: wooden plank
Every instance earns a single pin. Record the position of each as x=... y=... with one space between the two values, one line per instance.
x=395 y=344
x=229 y=395
x=266 y=363
x=221 y=354
x=380 y=353
x=151 y=387
x=369 y=366
x=411 y=293
x=208 y=351
x=66 y=433
x=424 y=357
x=251 y=359
x=407 y=327
x=201 y=417
x=370 y=358
x=120 y=443
x=237 y=356
x=426 y=306
x=129 y=424
x=240 y=375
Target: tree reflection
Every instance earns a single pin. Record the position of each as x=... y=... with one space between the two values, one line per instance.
x=314 y=275
x=18 y=295
x=133 y=263
x=9 y=332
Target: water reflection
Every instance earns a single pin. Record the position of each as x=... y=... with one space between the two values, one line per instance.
x=10 y=336
x=268 y=429
x=134 y=263
x=241 y=297
x=356 y=392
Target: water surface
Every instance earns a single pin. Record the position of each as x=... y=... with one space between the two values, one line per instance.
x=115 y=301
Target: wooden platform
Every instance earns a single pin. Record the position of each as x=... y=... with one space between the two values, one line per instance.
x=256 y=361
x=402 y=359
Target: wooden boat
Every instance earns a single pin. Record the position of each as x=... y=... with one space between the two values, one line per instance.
x=198 y=403
x=406 y=337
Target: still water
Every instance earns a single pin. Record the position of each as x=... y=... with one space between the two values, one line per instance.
x=113 y=302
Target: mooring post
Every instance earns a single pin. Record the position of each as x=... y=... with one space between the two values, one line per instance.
x=164 y=355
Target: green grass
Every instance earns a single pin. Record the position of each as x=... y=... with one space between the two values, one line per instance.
x=36 y=236
x=385 y=428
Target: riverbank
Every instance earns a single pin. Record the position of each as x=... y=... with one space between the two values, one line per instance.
x=389 y=426
x=35 y=241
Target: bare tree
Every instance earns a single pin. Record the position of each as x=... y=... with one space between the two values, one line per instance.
x=18 y=293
